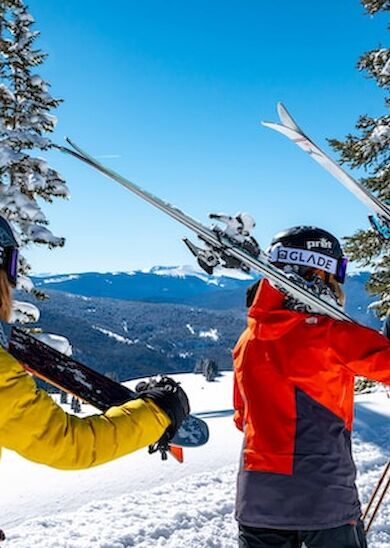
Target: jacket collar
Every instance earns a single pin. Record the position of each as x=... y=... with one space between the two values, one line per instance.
x=268 y=316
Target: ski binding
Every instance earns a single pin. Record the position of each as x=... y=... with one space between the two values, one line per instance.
x=236 y=230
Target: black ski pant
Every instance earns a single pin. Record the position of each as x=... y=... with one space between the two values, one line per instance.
x=346 y=536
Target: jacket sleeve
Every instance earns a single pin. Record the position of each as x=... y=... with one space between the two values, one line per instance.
x=34 y=426
x=362 y=350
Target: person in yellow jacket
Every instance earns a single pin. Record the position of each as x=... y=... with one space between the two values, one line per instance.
x=34 y=426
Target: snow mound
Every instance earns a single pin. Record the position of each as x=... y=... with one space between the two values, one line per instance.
x=198 y=511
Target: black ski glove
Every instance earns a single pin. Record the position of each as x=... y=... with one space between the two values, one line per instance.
x=170 y=397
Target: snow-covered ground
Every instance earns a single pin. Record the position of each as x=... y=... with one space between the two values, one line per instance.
x=140 y=501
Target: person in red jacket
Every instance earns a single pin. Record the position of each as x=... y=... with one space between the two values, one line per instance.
x=294 y=373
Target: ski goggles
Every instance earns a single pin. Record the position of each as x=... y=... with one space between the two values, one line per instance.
x=309 y=259
x=9 y=262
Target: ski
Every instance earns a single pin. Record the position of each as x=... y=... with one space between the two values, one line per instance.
x=88 y=385
x=222 y=247
x=290 y=129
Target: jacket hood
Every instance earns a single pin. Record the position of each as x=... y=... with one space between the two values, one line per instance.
x=268 y=316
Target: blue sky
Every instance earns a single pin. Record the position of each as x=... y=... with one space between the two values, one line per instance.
x=172 y=94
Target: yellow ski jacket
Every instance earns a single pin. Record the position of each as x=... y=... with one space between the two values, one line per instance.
x=34 y=426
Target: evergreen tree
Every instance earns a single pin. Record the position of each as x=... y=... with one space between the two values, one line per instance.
x=63 y=397
x=199 y=366
x=210 y=370
x=25 y=121
x=370 y=149
x=372 y=6
x=75 y=405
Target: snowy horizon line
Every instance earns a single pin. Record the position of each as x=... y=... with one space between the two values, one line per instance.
x=173 y=270
x=168 y=270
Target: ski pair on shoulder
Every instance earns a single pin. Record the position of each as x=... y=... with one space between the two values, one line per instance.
x=233 y=246
x=290 y=129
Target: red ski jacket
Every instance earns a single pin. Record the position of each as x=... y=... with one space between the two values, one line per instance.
x=293 y=398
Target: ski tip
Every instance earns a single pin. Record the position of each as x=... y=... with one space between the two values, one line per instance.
x=177 y=452
x=272 y=125
x=286 y=118
x=277 y=127
x=282 y=111
x=74 y=146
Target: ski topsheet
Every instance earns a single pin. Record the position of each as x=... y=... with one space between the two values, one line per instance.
x=89 y=385
x=214 y=240
x=290 y=129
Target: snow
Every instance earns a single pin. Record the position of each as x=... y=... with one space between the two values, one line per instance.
x=60 y=279
x=8 y=156
x=206 y=502
x=6 y=93
x=24 y=283
x=386 y=68
x=185 y=355
x=128 y=273
x=190 y=329
x=37 y=81
x=380 y=134
x=141 y=501
x=23 y=312
x=194 y=270
x=210 y=334
x=41 y=234
x=58 y=342
x=118 y=338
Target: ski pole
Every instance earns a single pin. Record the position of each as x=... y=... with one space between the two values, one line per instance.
x=371 y=508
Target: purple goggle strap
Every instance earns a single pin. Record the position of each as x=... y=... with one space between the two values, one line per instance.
x=341 y=269
x=12 y=264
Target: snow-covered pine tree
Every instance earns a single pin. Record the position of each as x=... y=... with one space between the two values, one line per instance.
x=372 y=6
x=25 y=121
x=370 y=149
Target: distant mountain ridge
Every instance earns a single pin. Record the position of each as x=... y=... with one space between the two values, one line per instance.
x=181 y=285
x=188 y=285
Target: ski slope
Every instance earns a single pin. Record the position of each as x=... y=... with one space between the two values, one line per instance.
x=140 y=501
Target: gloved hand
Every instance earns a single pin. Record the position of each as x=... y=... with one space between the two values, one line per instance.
x=170 y=397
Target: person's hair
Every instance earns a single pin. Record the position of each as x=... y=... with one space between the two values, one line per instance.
x=330 y=281
x=5 y=297
x=337 y=290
